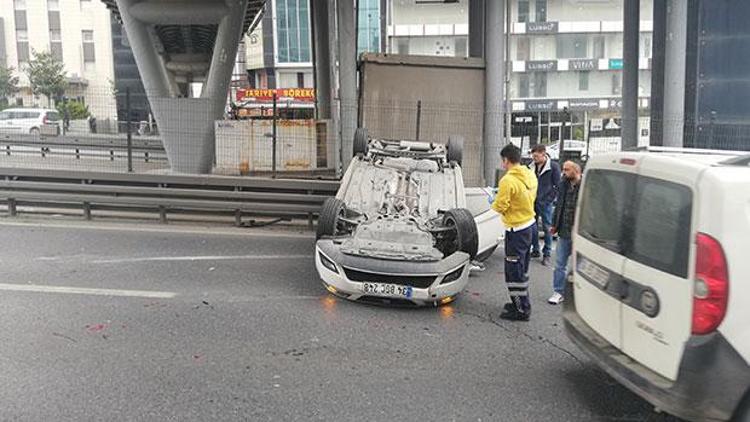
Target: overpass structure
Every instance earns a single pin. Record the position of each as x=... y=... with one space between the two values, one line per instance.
x=176 y=42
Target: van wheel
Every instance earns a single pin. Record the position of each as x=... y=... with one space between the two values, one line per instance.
x=742 y=414
x=34 y=131
x=329 y=218
x=455 y=149
x=463 y=235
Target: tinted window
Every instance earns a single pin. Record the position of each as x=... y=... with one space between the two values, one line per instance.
x=52 y=116
x=604 y=202
x=661 y=234
x=4 y=116
x=29 y=115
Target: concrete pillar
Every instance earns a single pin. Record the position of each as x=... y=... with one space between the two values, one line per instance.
x=631 y=30
x=658 y=63
x=150 y=64
x=476 y=28
x=322 y=57
x=675 y=62
x=494 y=77
x=186 y=124
x=347 y=46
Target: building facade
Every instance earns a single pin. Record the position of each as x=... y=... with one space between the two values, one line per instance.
x=76 y=32
x=565 y=60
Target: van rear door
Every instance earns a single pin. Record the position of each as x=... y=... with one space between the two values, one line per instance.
x=598 y=245
x=657 y=282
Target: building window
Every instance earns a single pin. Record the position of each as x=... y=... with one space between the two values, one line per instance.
x=368 y=30
x=403 y=46
x=646 y=46
x=89 y=55
x=300 y=80
x=293 y=31
x=20 y=17
x=538 y=84
x=523 y=86
x=571 y=46
x=598 y=47
x=583 y=81
x=523 y=48
x=541 y=10
x=523 y=10
x=617 y=83
x=22 y=46
x=54 y=20
x=55 y=44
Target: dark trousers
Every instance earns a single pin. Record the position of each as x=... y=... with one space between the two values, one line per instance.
x=517 y=246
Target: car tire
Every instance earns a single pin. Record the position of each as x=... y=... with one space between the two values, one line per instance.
x=466 y=233
x=455 y=149
x=328 y=219
x=361 y=140
x=34 y=131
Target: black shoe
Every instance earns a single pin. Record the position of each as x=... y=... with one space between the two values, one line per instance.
x=510 y=306
x=545 y=261
x=514 y=315
x=536 y=254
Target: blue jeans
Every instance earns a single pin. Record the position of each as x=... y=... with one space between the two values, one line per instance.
x=545 y=212
x=564 y=249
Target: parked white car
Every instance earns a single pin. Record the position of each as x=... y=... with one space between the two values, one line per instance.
x=402 y=228
x=659 y=292
x=35 y=121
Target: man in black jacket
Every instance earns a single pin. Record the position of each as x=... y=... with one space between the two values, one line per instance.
x=562 y=225
x=548 y=176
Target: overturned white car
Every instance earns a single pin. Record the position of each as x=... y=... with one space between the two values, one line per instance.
x=402 y=228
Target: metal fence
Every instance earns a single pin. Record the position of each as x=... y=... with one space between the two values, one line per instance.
x=291 y=142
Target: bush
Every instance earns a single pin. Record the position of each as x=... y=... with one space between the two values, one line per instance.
x=76 y=109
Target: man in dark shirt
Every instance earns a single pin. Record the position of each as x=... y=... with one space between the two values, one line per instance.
x=562 y=225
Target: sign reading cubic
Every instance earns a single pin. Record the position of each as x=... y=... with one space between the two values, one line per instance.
x=541 y=66
x=541 y=27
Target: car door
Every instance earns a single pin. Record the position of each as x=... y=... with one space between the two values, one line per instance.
x=657 y=285
x=9 y=124
x=489 y=223
x=599 y=260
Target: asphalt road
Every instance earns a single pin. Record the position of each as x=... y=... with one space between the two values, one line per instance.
x=173 y=328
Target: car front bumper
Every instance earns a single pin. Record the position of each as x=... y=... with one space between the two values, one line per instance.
x=425 y=279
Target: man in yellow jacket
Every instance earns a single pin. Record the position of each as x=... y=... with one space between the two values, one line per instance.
x=515 y=202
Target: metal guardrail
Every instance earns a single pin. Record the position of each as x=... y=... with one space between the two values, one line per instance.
x=165 y=194
x=110 y=149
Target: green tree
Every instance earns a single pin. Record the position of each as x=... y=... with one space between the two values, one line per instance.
x=46 y=75
x=8 y=84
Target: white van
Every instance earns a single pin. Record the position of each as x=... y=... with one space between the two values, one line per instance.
x=659 y=292
x=35 y=121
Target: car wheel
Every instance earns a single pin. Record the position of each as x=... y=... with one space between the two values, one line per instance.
x=360 y=141
x=329 y=218
x=34 y=131
x=455 y=149
x=463 y=235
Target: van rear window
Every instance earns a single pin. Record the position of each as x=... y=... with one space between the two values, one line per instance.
x=644 y=219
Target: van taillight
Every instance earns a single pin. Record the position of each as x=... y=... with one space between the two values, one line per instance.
x=711 y=292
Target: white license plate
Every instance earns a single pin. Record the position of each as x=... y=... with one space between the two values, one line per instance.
x=387 y=290
x=593 y=272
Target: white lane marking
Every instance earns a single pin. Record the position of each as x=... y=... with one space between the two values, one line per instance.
x=172 y=229
x=198 y=258
x=86 y=291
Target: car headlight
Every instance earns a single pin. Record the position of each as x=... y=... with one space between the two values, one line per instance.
x=328 y=263
x=453 y=275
